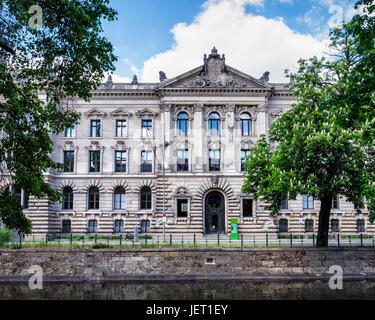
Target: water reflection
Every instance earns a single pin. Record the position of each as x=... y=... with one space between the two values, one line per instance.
x=194 y=290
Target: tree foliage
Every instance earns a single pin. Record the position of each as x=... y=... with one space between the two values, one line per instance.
x=323 y=146
x=42 y=72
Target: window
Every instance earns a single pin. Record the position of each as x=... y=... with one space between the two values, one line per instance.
x=66 y=226
x=95 y=128
x=214 y=160
x=145 y=226
x=94 y=198
x=309 y=225
x=361 y=225
x=69 y=133
x=283 y=225
x=17 y=193
x=307 y=202
x=94 y=161
x=182 y=124
x=244 y=154
x=120 y=165
x=246 y=124
x=182 y=208
x=247 y=208
x=335 y=202
x=119 y=226
x=121 y=128
x=146 y=165
x=69 y=161
x=214 y=124
x=119 y=198
x=335 y=225
x=183 y=160
x=93 y=226
x=146 y=198
x=68 y=198
x=21 y=196
x=146 y=128
x=284 y=202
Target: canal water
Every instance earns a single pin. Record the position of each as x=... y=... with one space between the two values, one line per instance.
x=191 y=290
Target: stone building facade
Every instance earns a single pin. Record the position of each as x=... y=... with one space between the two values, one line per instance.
x=202 y=123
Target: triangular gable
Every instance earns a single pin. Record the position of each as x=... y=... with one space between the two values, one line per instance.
x=95 y=113
x=146 y=113
x=121 y=113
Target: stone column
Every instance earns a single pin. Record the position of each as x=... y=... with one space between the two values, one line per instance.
x=230 y=140
x=198 y=151
x=167 y=133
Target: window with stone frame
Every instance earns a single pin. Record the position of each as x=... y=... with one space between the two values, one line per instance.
x=121 y=128
x=247 y=207
x=66 y=226
x=283 y=225
x=244 y=154
x=361 y=227
x=120 y=161
x=119 y=198
x=335 y=225
x=68 y=198
x=146 y=128
x=146 y=198
x=284 y=202
x=214 y=124
x=214 y=160
x=146 y=164
x=307 y=202
x=69 y=132
x=246 y=125
x=309 y=225
x=94 y=165
x=182 y=208
x=21 y=195
x=183 y=160
x=145 y=226
x=335 y=202
x=119 y=226
x=93 y=198
x=92 y=226
x=69 y=161
x=182 y=124
x=95 y=128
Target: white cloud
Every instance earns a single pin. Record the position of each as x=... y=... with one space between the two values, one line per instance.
x=133 y=68
x=116 y=78
x=252 y=44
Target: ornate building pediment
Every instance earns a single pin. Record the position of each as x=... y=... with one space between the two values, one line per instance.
x=95 y=113
x=146 y=113
x=121 y=112
x=214 y=74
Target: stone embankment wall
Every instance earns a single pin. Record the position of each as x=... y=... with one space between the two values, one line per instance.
x=184 y=263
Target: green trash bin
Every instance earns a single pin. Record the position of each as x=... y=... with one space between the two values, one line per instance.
x=234 y=228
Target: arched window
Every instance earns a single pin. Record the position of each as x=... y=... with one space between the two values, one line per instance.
x=93 y=198
x=93 y=226
x=68 y=198
x=146 y=198
x=119 y=226
x=283 y=225
x=309 y=225
x=182 y=124
x=119 y=198
x=361 y=225
x=246 y=125
x=145 y=226
x=214 y=124
x=66 y=226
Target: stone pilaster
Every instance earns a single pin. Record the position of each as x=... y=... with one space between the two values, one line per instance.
x=198 y=152
x=230 y=143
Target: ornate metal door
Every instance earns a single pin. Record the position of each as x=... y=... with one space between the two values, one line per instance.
x=215 y=213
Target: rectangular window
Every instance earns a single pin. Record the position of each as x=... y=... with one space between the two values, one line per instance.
x=182 y=208
x=66 y=226
x=183 y=160
x=121 y=128
x=214 y=160
x=69 y=133
x=95 y=128
x=307 y=202
x=247 y=208
x=309 y=225
x=69 y=161
x=361 y=225
x=335 y=202
x=119 y=201
x=335 y=225
x=93 y=226
x=119 y=226
x=94 y=161
x=146 y=128
x=284 y=202
x=244 y=154
x=146 y=164
x=145 y=226
x=120 y=165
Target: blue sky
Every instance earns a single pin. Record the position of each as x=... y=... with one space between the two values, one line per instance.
x=152 y=34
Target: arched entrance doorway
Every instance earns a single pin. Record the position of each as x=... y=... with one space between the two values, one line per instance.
x=214 y=212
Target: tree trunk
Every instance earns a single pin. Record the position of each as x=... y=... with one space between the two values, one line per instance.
x=324 y=213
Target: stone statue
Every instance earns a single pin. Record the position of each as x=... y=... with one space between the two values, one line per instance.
x=109 y=82
x=205 y=64
x=265 y=77
x=135 y=80
x=162 y=76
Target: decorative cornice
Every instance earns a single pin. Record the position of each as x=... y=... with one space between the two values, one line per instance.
x=121 y=112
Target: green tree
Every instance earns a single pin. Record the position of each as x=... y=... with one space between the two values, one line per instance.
x=314 y=148
x=43 y=69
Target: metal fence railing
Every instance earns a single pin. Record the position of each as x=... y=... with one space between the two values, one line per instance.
x=194 y=240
